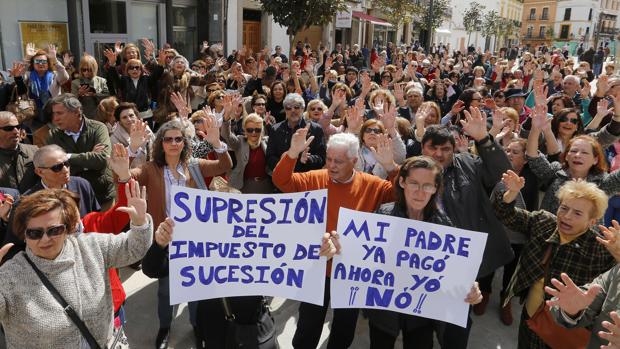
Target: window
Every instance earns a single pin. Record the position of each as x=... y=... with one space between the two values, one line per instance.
x=107 y=16
x=564 y=31
x=532 y=13
x=545 y=13
x=184 y=36
x=529 y=32
x=590 y=15
x=541 y=31
x=567 y=14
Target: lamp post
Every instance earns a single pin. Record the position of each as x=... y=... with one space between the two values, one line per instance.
x=429 y=27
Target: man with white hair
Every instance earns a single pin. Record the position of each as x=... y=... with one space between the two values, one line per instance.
x=414 y=100
x=16 y=170
x=570 y=87
x=347 y=188
x=280 y=137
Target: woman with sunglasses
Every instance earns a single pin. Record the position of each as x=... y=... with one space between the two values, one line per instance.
x=370 y=134
x=134 y=85
x=44 y=79
x=250 y=173
x=418 y=192
x=89 y=88
x=170 y=166
x=74 y=263
x=583 y=158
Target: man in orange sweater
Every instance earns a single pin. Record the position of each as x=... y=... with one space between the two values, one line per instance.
x=345 y=188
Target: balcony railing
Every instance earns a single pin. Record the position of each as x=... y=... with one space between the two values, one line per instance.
x=544 y=17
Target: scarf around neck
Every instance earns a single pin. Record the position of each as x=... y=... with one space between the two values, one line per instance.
x=40 y=87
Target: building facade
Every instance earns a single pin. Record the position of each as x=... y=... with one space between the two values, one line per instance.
x=575 y=23
x=538 y=20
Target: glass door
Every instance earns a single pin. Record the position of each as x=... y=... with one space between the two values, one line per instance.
x=105 y=22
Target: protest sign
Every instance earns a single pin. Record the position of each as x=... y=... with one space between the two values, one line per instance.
x=403 y=265
x=227 y=245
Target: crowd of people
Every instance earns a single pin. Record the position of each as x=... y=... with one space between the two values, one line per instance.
x=522 y=144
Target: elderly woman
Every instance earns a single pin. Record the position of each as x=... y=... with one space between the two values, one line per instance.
x=73 y=263
x=369 y=139
x=44 y=79
x=561 y=243
x=89 y=87
x=177 y=79
x=418 y=191
x=315 y=110
x=170 y=165
x=250 y=174
x=127 y=118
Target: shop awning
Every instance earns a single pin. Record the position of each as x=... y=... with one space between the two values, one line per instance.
x=371 y=19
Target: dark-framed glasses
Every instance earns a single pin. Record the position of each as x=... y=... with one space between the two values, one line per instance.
x=58 y=167
x=37 y=233
x=173 y=139
x=10 y=128
x=253 y=130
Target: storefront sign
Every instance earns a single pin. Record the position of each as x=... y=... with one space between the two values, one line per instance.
x=43 y=34
x=343 y=18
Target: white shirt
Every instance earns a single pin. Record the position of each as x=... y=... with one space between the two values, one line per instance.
x=169 y=181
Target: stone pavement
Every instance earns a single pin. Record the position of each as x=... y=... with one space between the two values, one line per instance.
x=487 y=332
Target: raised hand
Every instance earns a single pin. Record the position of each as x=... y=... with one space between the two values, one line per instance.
x=498 y=121
x=213 y=131
x=67 y=59
x=136 y=203
x=304 y=156
x=5 y=207
x=613 y=336
x=118 y=47
x=490 y=104
x=457 y=107
x=119 y=161
x=569 y=297
x=611 y=238
x=616 y=106
x=17 y=70
x=388 y=117
x=355 y=117
x=269 y=119
x=138 y=135
x=540 y=94
x=384 y=152
x=585 y=90
x=149 y=47
x=399 y=92
x=329 y=61
x=299 y=143
x=462 y=144
x=540 y=121
x=475 y=124
x=330 y=244
x=180 y=102
x=512 y=181
x=51 y=49
x=110 y=55
x=163 y=234
x=601 y=107
x=31 y=49
x=474 y=296
x=602 y=85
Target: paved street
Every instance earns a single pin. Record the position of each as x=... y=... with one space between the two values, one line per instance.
x=487 y=331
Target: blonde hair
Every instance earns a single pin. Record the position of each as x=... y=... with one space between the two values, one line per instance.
x=106 y=108
x=252 y=117
x=88 y=61
x=511 y=113
x=197 y=115
x=311 y=104
x=134 y=61
x=580 y=189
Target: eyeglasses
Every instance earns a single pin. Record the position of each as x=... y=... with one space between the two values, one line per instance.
x=296 y=107
x=386 y=77
x=86 y=70
x=253 y=130
x=565 y=119
x=176 y=140
x=169 y=57
x=40 y=61
x=134 y=67
x=316 y=109
x=376 y=131
x=427 y=188
x=219 y=97
x=37 y=234
x=197 y=66
x=10 y=128
x=259 y=104
x=58 y=167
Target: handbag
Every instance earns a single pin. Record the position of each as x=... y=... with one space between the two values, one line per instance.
x=23 y=108
x=260 y=335
x=554 y=335
x=66 y=307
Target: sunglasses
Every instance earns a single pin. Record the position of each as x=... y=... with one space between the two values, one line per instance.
x=316 y=109
x=259 y=104
x=86 y=70
x=37 y=234
x=40 y=61
x=134 y=67
x=219 y=97
x=58 y=167
x=565 y=119
x=296 y=107
x=173 y=139
x=376 y=131
x=253 y=130
x=10 y=128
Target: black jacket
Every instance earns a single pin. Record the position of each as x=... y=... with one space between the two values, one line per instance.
x=468 y=183
x=280 y=141
x=136 y=94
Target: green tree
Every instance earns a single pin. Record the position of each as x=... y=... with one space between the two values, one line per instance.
x=397 y=12
x=297 y=15
x=491 y=23
x=440 y=9
x=472 y=18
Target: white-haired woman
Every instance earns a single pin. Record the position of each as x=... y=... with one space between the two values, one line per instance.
x=89 y=87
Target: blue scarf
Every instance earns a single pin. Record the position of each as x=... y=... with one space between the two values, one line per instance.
x=40 y=87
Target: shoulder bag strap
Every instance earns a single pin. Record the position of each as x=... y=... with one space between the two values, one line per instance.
x=67 y=308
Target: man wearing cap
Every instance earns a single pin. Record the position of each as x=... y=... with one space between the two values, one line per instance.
x=515 y=98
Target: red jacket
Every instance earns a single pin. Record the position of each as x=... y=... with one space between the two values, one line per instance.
x=111 y=221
